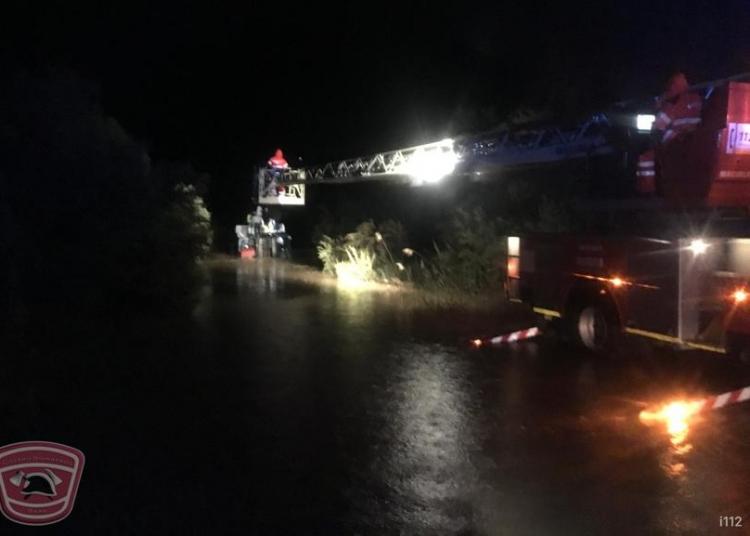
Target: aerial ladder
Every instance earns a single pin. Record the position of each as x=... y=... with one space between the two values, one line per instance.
x=692 y=172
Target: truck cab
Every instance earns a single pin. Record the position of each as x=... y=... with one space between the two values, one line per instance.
x=710 y=167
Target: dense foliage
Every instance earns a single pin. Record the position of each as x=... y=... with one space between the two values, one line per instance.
x=367 y=253
x=466 y=253
x=88 y=223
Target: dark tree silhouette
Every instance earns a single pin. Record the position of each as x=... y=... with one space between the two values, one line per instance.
x=86 y=220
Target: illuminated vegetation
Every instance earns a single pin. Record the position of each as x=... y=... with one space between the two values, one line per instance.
x=465 y=261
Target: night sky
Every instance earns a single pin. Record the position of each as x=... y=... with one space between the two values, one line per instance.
x=224 y=85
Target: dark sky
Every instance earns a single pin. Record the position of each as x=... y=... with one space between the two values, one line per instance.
x=223 y=84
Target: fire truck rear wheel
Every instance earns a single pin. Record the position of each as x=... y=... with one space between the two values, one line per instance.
x=595 y=328
x=738 y=347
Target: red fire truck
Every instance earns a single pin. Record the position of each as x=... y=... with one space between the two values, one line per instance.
x=685 y=278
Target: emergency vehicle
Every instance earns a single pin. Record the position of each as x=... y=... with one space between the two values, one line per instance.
x=681 y=275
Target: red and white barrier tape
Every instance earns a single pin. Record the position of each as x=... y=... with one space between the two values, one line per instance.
x=725 y=399
x=676 y=414
x=515 y=336
x=509 y=337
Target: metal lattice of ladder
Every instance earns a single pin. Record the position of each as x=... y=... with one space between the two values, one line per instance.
x=380 y=165
x=506 y=147
x=539 y=145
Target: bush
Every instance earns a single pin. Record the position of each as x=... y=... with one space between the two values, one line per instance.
x=468 y=259
x=465 y=261
x=366 y=252
x=181 y=235
x=88 y=222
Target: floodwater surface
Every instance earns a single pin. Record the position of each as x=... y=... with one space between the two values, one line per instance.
x=289 y=407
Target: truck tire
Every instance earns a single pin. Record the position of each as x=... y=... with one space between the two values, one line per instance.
x=596 y=328
x=738 y=347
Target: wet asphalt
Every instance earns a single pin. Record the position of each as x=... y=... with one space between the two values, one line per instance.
x=285 y=407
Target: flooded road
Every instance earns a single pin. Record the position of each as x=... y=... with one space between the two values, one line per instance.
x=284 y=407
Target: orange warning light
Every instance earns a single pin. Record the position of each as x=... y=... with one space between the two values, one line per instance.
x=675 y=416
x=513 y=267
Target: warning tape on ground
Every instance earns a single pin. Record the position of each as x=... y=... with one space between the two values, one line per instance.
x=508 y=337
x=516 y=336
x=725 y=399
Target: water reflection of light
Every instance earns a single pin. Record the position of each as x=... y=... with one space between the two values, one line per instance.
x=262 y=275
x=356 y=310
x=675 y=416
x=676 y=469
x=429 y=461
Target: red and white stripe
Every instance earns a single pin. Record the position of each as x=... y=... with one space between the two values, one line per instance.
x=725 y=399
x=668 y=135
x=515 y=336
x=662 y=121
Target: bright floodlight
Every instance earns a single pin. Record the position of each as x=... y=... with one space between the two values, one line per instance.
x=644 y=121
x=430 y=163
x=698 y=247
